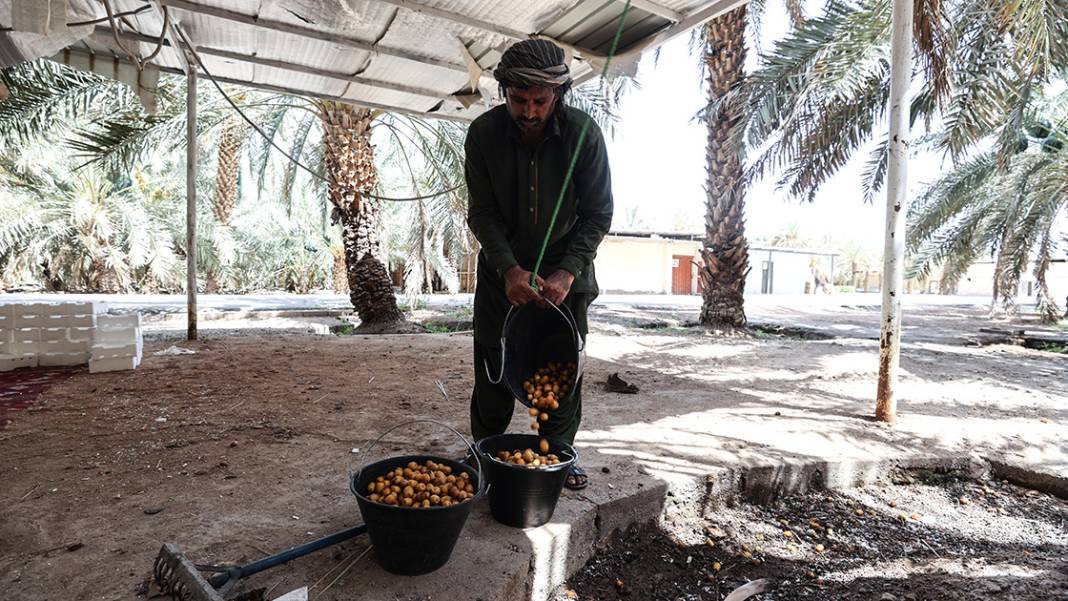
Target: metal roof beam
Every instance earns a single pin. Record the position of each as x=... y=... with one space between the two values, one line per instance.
x=371 y=105
x=373 y=83
x=292 y=91
x=658 y=10
x=695 y=18
x=266 y=62
x=324 y=36
x=462 y=19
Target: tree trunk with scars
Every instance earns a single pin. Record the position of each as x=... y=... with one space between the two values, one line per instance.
x=726 y=251
x=897 y=207
x=351 y=169
x=225 y=195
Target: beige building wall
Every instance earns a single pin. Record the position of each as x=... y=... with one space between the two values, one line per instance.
x=642 y=265
x=633 y=264
x=979 y=281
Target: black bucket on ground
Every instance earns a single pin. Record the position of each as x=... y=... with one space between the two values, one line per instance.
x=520 y=496
x=409 y=540
x=533 y=336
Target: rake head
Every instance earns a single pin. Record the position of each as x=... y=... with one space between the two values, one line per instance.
x=178 y=577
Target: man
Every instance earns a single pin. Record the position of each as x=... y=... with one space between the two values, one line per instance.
x=517 y=157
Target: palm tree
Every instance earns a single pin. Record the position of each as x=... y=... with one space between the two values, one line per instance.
x=345 y=160
x=821 y=92
x=349 y=161
x=224 y=197
x=74 y=229
x=130 y=153
x=725 y=254
x=1009 y=213
x=77 y=232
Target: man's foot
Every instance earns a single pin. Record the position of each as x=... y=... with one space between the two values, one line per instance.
x=577 y=478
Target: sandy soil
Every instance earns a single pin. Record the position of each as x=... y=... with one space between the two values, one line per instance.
x=244 y=447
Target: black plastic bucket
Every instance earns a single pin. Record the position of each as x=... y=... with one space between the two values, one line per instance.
x=533 y=336
x=408 y=540
x=519 y=496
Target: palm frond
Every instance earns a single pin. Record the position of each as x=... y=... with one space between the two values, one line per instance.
x=46 y=97
x=600 y=99
x=941 y=202
x=1045 y=303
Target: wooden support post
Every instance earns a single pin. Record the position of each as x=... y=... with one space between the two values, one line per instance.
x=896 y=210
x=191 y=203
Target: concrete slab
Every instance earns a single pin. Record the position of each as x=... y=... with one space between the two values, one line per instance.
x=499 y=563
x=1052 y=479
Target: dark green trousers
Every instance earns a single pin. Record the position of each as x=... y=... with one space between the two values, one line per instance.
x=492 y=404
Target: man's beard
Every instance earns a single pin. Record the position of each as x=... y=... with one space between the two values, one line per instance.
x=531 y=124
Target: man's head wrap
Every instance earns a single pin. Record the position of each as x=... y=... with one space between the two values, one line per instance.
x=534 y=63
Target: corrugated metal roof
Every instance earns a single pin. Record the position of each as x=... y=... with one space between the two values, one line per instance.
x=404 y=55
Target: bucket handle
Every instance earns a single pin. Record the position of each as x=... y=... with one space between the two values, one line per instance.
x=500 y=376
x=353 y=477
x=568 y=317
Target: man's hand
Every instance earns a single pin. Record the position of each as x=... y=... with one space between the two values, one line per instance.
x=555 y=288
x=517 y=286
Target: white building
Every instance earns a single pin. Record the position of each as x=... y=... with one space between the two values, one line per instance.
x=669 y=263
x=979 y=281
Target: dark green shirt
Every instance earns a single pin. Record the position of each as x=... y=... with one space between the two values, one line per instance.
x=512 y=191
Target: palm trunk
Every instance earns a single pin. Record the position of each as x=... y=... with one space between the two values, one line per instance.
x=351 y=169
x=340 y=279
x=726 y=251
x=1006 y=288
x=225 y=196
x=1046 y=305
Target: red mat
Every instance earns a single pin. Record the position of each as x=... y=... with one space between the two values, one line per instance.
x=21 y=387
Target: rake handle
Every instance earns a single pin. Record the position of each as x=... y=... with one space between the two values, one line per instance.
x=219 y=580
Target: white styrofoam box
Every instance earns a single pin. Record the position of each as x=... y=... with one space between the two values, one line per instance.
x=113 y=364
x=114 y=337
x=80 y=321
x=31 y=315
x=78 y=346
x=86 y=308
x=7 y=316
x=7 y=341
x=26 y=341
x=62 y=359
x=10 y=362
x=80 y=334
x=53 y=334
x=103 y=351
x=118 y=322
x=63 y=346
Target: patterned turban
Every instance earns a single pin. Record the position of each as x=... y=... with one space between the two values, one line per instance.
x=533 y=63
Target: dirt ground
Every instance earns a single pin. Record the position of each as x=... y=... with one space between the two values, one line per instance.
x=244 y=447
x=930 y=540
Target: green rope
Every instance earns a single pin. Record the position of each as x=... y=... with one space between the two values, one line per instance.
x=575 y=155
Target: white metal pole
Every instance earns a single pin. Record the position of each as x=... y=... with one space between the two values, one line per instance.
x=896 y=209
x=191 y=202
